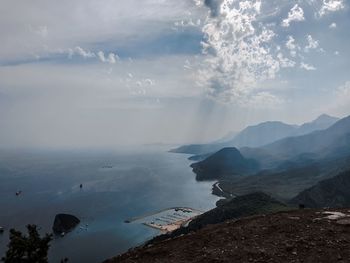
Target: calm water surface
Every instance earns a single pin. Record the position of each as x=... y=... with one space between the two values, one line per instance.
x=141 y=181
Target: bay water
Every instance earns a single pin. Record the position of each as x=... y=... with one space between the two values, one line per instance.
x=117 y=185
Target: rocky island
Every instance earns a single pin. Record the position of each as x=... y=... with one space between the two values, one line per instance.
x=64 y=223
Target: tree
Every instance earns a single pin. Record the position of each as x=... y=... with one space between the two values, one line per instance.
x=27 y=249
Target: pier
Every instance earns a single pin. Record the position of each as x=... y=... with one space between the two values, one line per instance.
x=167 y=220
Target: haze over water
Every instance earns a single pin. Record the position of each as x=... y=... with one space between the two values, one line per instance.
x=140 y=181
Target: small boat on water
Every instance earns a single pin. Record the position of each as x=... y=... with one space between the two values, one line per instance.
x=1 y=230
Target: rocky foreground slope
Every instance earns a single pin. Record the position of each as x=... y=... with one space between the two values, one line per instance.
x=294 y=236
x=241 y=206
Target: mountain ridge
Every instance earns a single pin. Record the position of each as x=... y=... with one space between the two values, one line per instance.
x=259 y=135
x=332 y=192
x=323 y=141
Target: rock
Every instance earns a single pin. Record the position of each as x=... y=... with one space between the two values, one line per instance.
x=64 y=223
x=344 y=222
x=289 y=247
x=294 y=217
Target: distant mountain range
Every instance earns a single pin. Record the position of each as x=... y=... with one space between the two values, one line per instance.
x=322 y=122
x=259 y=135
x=263 y=133
x=268 y=132
x=283 y=168
x=334 y=141
x=226 y=137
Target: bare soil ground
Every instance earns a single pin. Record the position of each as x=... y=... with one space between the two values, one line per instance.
x=296 y=236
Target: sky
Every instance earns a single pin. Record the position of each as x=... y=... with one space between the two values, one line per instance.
x=91 y=73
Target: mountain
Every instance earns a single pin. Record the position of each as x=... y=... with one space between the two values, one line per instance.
x=226 y=162
x=240 y=206
x=226 y=137
x=263 y=133
x=334 y=141
x=259 y=135
x=271 y=131
x=252 y=136
x=304 y=235
x=322 y=122
x=333 y=192
x=285 y=183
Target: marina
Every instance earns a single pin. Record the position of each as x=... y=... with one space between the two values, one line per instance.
x=167 y=220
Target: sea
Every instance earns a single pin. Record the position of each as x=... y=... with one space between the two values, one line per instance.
x=116 y=185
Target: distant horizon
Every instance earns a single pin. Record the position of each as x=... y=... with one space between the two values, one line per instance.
x=136 y=146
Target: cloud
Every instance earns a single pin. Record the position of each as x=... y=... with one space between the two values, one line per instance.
x=285 y=62
x=240 y=53
x=42 y=31
x=187 y=65
x=307 y=66
x=295 y=14
x=341 y=100
x=329 y=6
x=292 y=46
x=197 y=2
x=265 y=100
x=92 y=24
x=312 y=44
x=187 y=23
x=81 y=52
x=333 y=25
x=111 y=58
x=149 y=82
x=343 y=91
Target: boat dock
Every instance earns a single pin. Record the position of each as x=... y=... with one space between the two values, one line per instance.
x=167 y=220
